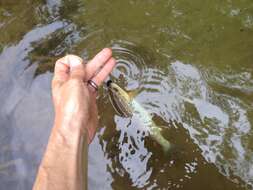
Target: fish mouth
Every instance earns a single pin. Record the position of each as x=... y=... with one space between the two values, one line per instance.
x=109 y=82
x=112 y=88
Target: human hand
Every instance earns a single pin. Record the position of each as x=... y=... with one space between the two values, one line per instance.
x=75 y=100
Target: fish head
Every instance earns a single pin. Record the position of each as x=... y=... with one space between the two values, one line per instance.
x=120 y=99
x=118 y=92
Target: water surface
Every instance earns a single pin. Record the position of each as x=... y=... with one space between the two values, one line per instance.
x=190 y=63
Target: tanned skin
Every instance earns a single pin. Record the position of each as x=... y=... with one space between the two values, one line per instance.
x=76 y=118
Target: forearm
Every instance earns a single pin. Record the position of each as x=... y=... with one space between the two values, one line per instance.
x=64 y=165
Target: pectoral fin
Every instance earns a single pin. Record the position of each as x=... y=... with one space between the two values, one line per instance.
x=133 y=93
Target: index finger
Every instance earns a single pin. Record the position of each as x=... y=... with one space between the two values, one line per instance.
x=94 y=65
x=104 y=72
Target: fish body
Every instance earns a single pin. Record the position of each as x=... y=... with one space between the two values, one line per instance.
x=127 y=106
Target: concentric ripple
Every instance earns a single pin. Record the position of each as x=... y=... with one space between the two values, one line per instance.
x=181 y=99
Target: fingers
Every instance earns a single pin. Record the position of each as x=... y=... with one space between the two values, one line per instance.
x=93 y=67
x=72 y=66
x=104 y=72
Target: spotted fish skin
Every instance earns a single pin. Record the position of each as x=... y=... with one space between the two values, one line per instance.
x=127 y=106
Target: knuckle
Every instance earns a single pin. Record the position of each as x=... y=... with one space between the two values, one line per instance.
x=75 y=81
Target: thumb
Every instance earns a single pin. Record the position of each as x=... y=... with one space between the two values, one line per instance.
x=76 y=66
x=61 y=73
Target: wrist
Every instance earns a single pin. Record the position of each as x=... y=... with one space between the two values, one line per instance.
x=70 y=130
x=64 y=155
x=71 y=122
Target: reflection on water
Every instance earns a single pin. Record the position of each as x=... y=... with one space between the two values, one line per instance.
x=190 y=69
x=24 y=117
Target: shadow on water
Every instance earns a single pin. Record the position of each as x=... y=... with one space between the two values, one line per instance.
x=191 y=72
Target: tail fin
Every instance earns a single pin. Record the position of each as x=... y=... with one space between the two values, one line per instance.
x=167 y=147
x=165 y=144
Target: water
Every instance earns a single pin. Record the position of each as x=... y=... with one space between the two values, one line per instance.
x=190 y=63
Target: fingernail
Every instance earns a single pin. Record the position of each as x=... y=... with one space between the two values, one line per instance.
x=107 y=51
x=73 y=60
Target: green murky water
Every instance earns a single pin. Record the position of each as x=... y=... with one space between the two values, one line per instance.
x=191 y=62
